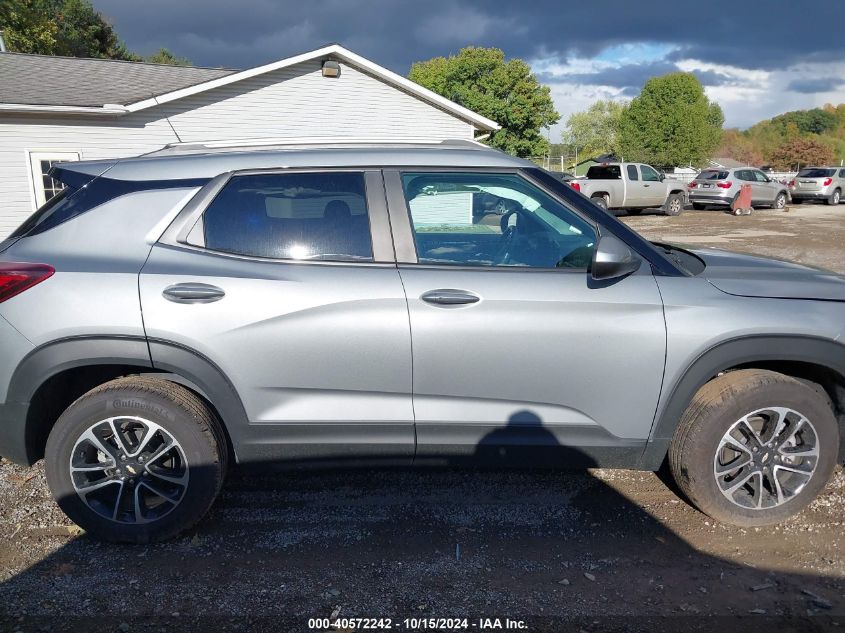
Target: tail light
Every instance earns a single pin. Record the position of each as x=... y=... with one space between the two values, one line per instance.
x=827 y=181
x=15 y=278
x=791 y=183
x=725 y=185
x=575 y=186
x=692 y=185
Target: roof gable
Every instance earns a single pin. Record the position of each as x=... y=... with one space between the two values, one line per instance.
x=94 y=86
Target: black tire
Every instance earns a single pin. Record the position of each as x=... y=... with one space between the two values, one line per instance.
x=177 y=411
x=834 y=198
x=600 y=201
x=716 y=407
x=698 y=206
x=780 y=201
x=634 y=211
x=674 y=204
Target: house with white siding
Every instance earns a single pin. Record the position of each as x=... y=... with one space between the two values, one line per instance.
x=55 y=109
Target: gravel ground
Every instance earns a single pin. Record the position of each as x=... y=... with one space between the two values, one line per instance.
x=585 y=551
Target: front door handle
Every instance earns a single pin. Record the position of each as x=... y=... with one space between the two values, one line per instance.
x=447 y=297
x=193 y=293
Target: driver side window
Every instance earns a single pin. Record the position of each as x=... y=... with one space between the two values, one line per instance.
x=475 y=219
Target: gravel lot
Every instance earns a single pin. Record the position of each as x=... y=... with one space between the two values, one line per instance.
x=584 y=551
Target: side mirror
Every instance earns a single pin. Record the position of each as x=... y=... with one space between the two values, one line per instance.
x=662 y=176
x=613 y=259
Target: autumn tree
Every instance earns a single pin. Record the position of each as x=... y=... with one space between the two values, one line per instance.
x=671 y=122
x=800 y=152
x=738 y=146
x=506 y=91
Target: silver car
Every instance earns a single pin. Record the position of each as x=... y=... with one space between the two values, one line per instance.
x=721 y=186
x=818 y=183
x=168 y=315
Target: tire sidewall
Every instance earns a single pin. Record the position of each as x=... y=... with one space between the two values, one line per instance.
x=793 y=395
x=202 y=457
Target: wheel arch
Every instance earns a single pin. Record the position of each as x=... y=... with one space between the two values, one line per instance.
x=818 y=361
x=53 y=376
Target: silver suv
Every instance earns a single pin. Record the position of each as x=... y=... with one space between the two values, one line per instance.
x=818 y=183
x=720 y=187
x=171 y=313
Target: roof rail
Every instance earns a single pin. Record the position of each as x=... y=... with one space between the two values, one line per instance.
x=313 y=141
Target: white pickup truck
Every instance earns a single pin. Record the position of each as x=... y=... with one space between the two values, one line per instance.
x=633 y=187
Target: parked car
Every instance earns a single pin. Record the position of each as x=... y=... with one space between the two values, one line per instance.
x=818 y=183
x=169 y=314
x=720 y=187
x=633 y=187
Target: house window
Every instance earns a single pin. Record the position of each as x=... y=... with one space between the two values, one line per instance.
x=40 y=164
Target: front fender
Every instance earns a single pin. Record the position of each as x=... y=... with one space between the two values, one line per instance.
x=726 y=355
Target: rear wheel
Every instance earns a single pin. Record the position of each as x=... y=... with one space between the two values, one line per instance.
x=136 y=460
x=754 y=447
x=834 y=197
x=600 y=201
x=674 y=204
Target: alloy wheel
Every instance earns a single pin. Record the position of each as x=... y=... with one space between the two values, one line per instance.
x=766 y=458
x=129 y=470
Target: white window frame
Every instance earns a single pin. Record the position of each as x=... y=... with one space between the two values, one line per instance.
x=33 y=159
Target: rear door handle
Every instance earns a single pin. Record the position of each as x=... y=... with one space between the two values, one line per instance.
x=193 y=293
x=447 y=297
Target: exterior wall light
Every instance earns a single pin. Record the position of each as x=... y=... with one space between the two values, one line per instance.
x=331 y=68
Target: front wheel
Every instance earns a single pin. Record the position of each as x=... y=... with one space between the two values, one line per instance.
x=780 y=201
x=674 y=204
x=754 y=447
x=136 y=460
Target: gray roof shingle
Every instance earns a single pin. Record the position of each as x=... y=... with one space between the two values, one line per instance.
x=70 y=81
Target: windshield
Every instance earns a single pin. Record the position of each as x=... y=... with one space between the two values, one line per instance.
x=815 y=172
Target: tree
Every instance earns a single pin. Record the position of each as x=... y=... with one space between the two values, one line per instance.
x=801 y=151
x=164 y=56
x=506 y=91
x=72 y=28
x=740 y=147
x=596 y=130
x=671 y=122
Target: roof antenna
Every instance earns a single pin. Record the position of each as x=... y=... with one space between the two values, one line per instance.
x=167 y=118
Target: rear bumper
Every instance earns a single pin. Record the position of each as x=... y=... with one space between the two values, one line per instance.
x=13 y=433
x=809 y=195
x=710 y=199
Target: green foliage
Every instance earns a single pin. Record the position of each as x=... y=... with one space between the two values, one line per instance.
x=596 y=130
x=506 y=91
x=671 y=122
x=71 y=28
x=801 y=152
x=164 y=56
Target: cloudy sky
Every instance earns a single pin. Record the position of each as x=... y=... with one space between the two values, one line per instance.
x=756 y=58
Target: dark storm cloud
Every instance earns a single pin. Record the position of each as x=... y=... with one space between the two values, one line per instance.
x=634 y=76
x=812 y=85
x=243 y=33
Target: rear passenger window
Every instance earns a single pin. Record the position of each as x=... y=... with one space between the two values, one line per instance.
x=302 y=216
x=632 y=172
